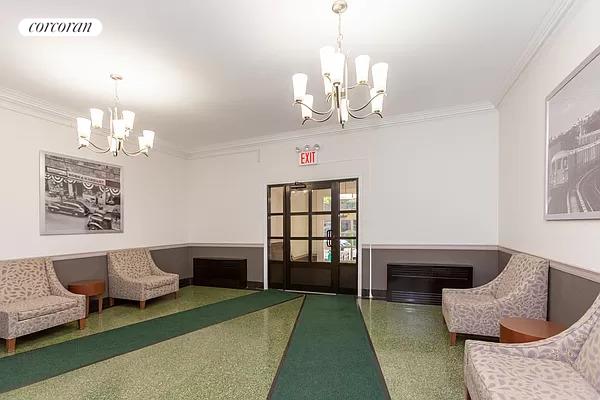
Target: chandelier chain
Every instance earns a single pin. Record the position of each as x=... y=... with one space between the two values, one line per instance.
x=340 y=36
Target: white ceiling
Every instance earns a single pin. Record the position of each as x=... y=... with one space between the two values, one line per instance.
x=210 y=71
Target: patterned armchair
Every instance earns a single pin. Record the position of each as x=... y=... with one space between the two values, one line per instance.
x=32 y=299
x=133 y=275
x=521 y=290
x=563 y=367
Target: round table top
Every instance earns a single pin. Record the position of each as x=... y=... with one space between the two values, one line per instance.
x=92 y=287
x=534 y=328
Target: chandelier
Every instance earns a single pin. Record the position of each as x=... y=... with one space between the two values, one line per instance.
x=120 y=127
x=334 y=68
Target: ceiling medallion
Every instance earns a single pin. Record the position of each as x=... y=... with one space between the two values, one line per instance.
x=334 y=68
x=119 y=129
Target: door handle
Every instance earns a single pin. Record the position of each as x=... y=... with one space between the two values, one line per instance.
x=329 y=237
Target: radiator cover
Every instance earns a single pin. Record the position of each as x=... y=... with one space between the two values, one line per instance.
x=423 y=283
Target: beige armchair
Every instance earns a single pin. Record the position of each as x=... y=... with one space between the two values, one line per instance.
x=133 y=275
x=563 y=367
x=32 y=299
x=521 y=290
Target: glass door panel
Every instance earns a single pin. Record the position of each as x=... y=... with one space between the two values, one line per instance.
x=321 y=200
x=299 y=200
x=299 y=226
x=321 y=225
x=348 y=226
x=276 y=225
x=348 y=196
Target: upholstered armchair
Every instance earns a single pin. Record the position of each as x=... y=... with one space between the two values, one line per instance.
x=521 y=290
x=33 y=299
x=563 y=367
x=133 y=275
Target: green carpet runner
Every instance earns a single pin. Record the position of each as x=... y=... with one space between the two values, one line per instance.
x=329 y=355
x=33 y=366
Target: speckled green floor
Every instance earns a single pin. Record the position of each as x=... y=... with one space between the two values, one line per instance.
x=412 y=345
x=236 y=359
x=127 y=314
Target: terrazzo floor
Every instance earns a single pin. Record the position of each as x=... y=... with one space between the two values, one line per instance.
x=238 y=359
x=128 y=313
x=412 y=345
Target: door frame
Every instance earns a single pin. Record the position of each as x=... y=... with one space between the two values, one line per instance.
x=361 y=212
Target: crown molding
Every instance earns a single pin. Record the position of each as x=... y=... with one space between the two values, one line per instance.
x=35 y=107
x=358 y=126
x=551 y=20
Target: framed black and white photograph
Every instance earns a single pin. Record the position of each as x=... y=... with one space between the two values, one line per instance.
x=573 y=145
x=79 y=196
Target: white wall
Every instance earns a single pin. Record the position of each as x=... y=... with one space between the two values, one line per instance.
x=433 y=182
x=522 y=142
x=153 y=193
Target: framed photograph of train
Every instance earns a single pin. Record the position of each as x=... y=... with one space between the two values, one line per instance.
x=79 y=196
x=573 y=144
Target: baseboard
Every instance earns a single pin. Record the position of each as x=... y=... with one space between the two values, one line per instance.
x=255 y=285
x=378 y=294
x=183 y=282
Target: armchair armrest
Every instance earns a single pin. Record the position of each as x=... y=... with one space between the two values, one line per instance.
x=8 y=320
x=563 y=347
x=486 y=289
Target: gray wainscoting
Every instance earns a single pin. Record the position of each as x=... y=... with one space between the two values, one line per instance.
x=484 y=262
x=569 y=295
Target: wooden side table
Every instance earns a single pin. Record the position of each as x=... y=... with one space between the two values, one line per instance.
x=523 y=330
x=90 y=288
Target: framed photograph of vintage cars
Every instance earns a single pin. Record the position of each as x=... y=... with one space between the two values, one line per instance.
x=79 y=196
x=573 y=144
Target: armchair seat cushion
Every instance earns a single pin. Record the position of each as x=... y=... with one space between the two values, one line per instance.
x=498 y=376
x=39 y=306
x=156 y=281
x=471 y=313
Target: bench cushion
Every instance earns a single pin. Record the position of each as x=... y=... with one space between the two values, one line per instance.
x=39 y=306
x=156 y=281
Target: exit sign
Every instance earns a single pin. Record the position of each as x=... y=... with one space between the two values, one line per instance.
x=307 y=158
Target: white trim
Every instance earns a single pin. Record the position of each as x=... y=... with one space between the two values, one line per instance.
x=34 y=107
x=249 y=145
x=544 y=30
x=38 y=108
x=226 y=244
x=570 y=269
x=433 y=247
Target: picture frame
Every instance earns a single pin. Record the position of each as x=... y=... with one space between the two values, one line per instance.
x=572 y=162
x=79 y=196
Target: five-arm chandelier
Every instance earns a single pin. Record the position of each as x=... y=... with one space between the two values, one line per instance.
x=334 y=68
x=119 y=129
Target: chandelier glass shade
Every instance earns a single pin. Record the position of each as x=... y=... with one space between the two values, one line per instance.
x=334 y=70
x=119 y=129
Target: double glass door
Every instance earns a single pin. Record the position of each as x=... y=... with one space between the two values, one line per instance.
x=313 y=232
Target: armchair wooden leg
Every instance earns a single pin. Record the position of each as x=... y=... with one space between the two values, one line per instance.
x=467 y=395
x=142 y=304
x=81 y=323
x=11 y=345
x=111 y=301
x=452 y=339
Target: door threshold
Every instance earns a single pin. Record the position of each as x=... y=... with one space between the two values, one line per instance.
x=307 y=292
